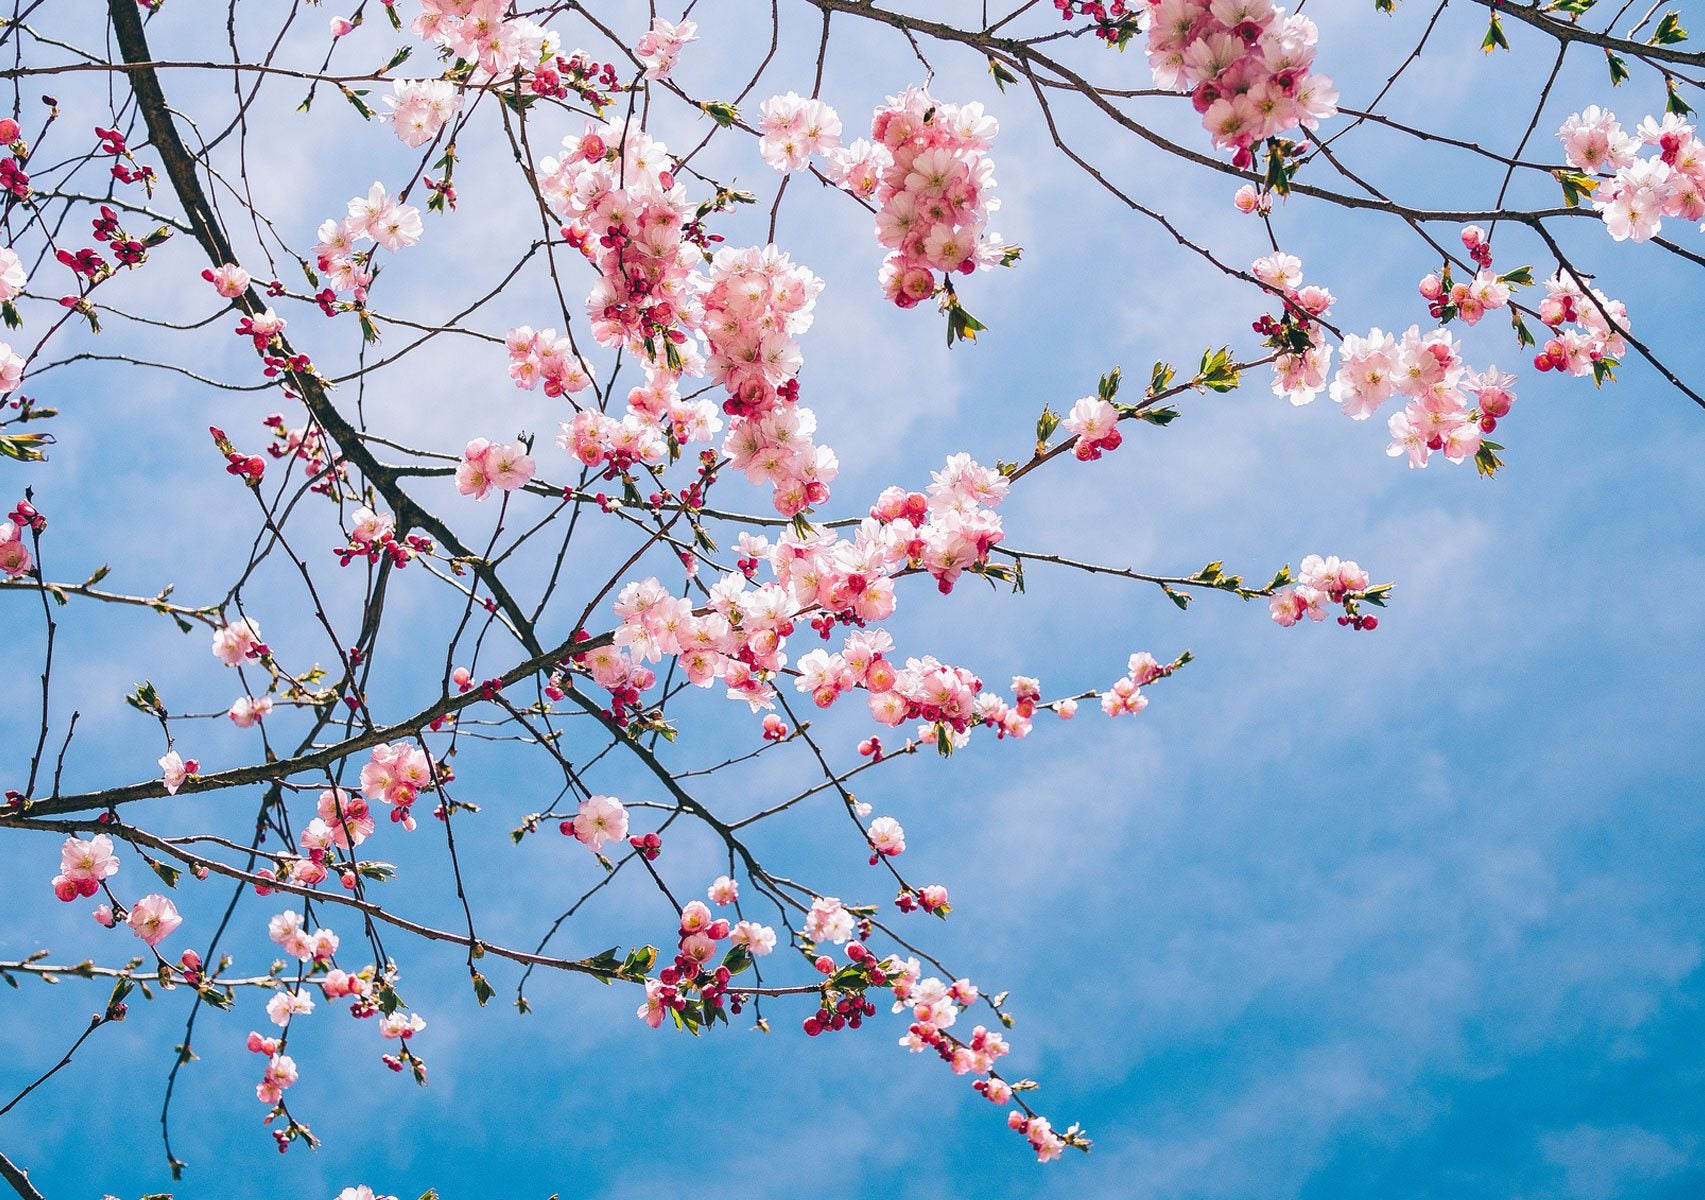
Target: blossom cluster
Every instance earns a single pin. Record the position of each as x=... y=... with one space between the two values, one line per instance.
x=1640 y=191
x=1448 y=405
x=1323 y=582
x=419 y=108
x=657 y=419
x=792 y=129
x=928 y=170
x=1302 y=352
x=1125 y=696
x=758 y=302
x=1587 y=328
x=698 y=943
x=627 y=214
x=396 y=774
x=486 y=465
x=741 y=635
x=1247 y=67
x=377 y=217
x=660 y=47
x=1471 y=300
x=541 y=357
x=483 y=33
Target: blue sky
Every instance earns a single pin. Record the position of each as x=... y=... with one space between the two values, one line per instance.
x=1410 y=914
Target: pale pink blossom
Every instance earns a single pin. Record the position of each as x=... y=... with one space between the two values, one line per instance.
x=153 y=918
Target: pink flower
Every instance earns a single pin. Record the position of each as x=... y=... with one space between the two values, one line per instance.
x=153 y=918
x=280 y=1074
x=1248 y=200
x=346 y=816
x=244 y=712
x=13 y=277
x=828 y=921
x=285 y=1005
x=724 y=891
x=11 y=369
x=601 y=819
x=14 y=555
x=655 y=1006
x=403 y=1025
x=420 y=108
x=486 y=465
x=93 y=859
x=758 y=940
x=660 y=48
x=176 y=770
x=237 y=641
x=794 y=129
x=340 y=26
x=87 y=864
x=230 y=280
x=887 y=837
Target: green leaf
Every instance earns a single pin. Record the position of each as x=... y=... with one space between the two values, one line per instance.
x=21 y=447
x=1217 y=373
x=1159 y=416
x=168 y=875
x=605 y=963
x=1669 y=30
x=1618 y=69
x=1179 y=598
x=961 y=325
x=483 y=991
x=1604 y=371
x=1675 y=104
x=1575 y=186
x=400 y=57
x=355 y=100
x=1494 y=38
x=1001 y=74
x=1108 y=388
x=639 y=962
x=1520 y=277
x=1045 y=425
x=720 y=111
x=1523 y=337
x=1161 y=377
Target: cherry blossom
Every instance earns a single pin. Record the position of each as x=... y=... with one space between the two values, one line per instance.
x=153 y=918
